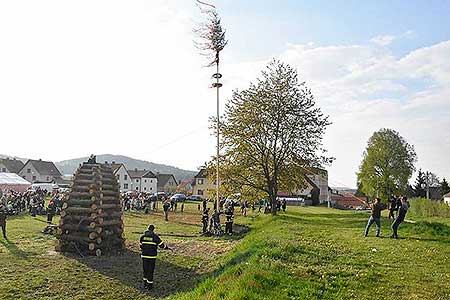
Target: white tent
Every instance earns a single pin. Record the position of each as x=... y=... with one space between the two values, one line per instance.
x=12 y=181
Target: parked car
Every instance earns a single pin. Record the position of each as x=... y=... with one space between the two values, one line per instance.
x=194 y=198
x=178 y=197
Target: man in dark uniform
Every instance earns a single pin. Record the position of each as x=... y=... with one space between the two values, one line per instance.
x=229 y=220
x=205 y=219
x=3 y=220
x=150 y=242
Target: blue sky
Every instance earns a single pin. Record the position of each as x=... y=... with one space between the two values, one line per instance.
x=369 y=64
x=260 y=28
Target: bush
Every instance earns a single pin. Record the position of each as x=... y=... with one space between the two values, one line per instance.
x=421 y=207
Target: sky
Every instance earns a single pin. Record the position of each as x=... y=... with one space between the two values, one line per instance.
x=124 y=77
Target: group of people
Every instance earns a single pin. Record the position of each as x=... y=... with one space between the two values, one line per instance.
x=30 y=201
x=398 y=206
x=214 y=227
x=280 y=205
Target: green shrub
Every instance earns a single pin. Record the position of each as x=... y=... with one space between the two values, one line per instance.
x=421 y=207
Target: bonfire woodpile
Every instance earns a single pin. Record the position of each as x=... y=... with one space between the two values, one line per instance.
x=91 y=216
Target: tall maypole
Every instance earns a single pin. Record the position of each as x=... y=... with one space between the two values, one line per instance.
x=212 y=41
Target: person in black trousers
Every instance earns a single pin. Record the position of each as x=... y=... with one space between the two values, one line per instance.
x=400 y=216
x=149 y=243
x=3 y=220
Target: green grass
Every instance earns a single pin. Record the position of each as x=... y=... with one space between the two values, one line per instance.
x=305 y=253
x=424 y=208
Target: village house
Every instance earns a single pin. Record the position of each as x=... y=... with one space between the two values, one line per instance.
x=185 y=187
x=347 y=200
x=123 y=177
x=166 y=183
x=143 y=181
x=40 y=171
x=314 y=192
x=202 y=185
x=8 y=165
x=446 y=198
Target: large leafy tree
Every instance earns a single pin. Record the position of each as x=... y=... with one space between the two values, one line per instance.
x=271 y=134
x=388 y=163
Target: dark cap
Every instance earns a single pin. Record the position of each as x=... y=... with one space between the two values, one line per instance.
x=151 y=227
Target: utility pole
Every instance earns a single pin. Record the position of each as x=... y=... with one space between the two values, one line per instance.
x=428 y=185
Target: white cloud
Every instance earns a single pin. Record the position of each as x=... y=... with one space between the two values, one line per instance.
x=383 y=40
x=104 y=76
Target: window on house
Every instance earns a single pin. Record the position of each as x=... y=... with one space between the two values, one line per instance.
x=137 y=188
x=137 y=180
x=151 y=180
x=151 y=189
x=145 y=188
x=28 y=171
x=3 y=169
x=125 y=177
x=125 y=186
x=34 y=178
x=145 y=180
x=199 y=181
x=200 y=192
x=118 y=176
x=48 y=178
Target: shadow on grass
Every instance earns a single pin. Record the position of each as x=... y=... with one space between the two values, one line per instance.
x=126 y=267
x=14 y=250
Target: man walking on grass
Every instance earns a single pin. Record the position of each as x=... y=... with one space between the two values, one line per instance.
x=375 y=217
x=149 y=243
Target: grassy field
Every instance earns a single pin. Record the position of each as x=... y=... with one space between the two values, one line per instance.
x=305 y=253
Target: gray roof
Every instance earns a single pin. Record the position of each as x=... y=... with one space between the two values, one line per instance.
x=164 y=178
x=13 y=165
x=114 y=166
x=141 y=174
x=44 y=167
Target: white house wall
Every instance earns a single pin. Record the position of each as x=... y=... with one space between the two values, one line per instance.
x=124 y=179
x=146 y=185
x=33 y=172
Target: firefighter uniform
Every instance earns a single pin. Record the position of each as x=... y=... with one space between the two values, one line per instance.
x=205 y=219
x=229 y=221
x=150 y=242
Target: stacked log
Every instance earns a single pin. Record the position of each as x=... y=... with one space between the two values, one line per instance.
x=91 y=216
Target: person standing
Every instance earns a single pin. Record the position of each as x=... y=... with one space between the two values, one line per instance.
x=3 y=220
x=392 y=205
x=283 y=205
x=375 y=217
x=149 y=243
x=205 y=219
x=166 y=207
x=403 y=209
x=229 y=220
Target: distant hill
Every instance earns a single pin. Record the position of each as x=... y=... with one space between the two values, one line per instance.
x=70 y=166
x=24 y=160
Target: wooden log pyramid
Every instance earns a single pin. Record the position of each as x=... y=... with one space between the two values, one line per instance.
x=91 y=216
